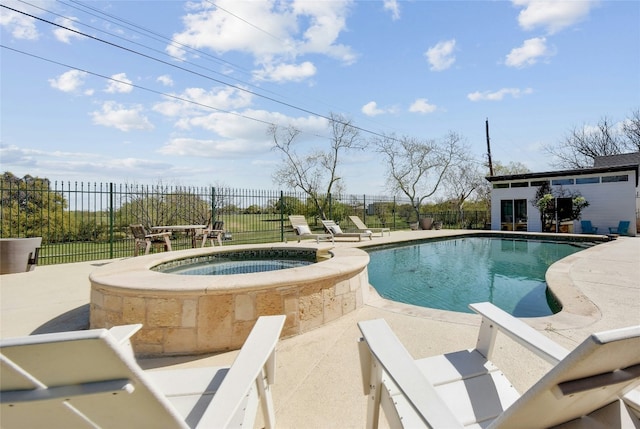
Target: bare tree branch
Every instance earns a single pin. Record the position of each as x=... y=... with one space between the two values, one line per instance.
x=317 y=171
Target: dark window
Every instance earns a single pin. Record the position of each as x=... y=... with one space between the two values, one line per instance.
x=539 y=182
x=562 y=182
x=587 y=180
x=520 y=185
x=609 y=179
x=565 y=208
x=500 y=185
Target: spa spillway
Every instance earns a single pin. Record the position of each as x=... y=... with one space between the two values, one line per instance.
x=195 y=314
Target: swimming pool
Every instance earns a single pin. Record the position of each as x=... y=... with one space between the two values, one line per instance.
x=451 y=274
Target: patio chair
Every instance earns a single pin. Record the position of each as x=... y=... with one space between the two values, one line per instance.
x=362 y=227
x=622 y=229
x=302 y=229
x=213 y=233
x=145 y=240
x=335 y=230
x=91 y=379
x=464 y=388
x=587 y=228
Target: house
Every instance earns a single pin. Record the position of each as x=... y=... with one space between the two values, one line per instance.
x=610 y=187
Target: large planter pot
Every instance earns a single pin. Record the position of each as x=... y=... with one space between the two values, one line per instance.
x=426 y=223
x=18 y=255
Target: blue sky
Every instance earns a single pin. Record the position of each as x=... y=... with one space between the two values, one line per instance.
x=140 y=108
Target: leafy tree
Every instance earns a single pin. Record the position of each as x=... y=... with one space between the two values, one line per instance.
x=583 y=144
x=30 y=208
x=545 y=201
x=416 y=168
x=315 y=173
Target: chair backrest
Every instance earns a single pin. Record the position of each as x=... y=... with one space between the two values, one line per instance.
x=623 y=226
x=297 y=220
x=138 y=231
x=601 y=369
x=331 y=227
x=65 y=379
x=586 y=226
x=358 y=222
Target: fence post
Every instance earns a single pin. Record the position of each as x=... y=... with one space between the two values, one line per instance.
x=394 y=212
x=364 y=208
x=213 y=205
x=281 y=216
x=111 y=220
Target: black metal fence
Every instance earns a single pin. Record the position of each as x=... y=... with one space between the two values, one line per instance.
x=90 y=221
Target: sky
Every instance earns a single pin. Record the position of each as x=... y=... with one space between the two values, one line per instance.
x=183 y=92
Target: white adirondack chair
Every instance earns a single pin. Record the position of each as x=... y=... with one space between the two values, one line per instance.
x=91 y=379
x=464 y=389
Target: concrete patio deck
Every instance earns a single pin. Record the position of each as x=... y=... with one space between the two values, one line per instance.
x=318 y=373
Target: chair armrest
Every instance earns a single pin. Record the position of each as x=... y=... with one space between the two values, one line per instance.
x=632 y=399
x=495 y=319
x=387 y=350
x=123 y=333
x=255 y=360
x=158 y=234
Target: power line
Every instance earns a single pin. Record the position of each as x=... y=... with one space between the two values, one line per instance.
x=133 y=85
x=194 y=72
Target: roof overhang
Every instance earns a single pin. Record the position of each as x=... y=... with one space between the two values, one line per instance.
x=563 y=173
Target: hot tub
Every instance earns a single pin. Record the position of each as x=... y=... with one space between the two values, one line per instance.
x=193 y=314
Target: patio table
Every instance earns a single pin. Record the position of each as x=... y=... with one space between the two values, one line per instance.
x=189 y=229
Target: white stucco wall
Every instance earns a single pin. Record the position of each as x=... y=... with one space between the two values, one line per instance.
x=609 y=203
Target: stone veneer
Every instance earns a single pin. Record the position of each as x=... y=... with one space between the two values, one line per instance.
x=184 y=315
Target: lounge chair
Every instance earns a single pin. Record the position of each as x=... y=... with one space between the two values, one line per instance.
x=302 y=229
x=213 y=233
x=587 y=228
x=622 y=229
x=335 y=230
x=465 y=389
x=145 y=240
x=362 y=227
x=91 y=379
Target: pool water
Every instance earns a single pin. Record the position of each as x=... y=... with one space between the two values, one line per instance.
x=451 y=274
x=222 y=267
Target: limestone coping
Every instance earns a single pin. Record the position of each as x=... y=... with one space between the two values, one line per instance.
x=136 y=273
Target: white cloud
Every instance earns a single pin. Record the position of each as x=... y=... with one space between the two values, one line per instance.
x=441 y=56
x=69 y=81
x=371 y=109
x=552 y=15
x=393 y=7
x=20 y=26
x=165 y=79
x=529 y=53
x=119 y=84
x=498 y=95
x=198 y=100
x=421 y=105
x=272 y=32
x=286 y=72
x=117 y=116
x=64 y=35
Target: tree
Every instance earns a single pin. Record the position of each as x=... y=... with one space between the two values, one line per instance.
x=484 y=190
x=30 y=208
x=582 y=145
x=461 y=181
x=415 y=167
x=315 y=172
x=545 y=201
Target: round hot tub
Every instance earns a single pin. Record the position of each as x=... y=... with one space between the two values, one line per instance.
x=192 y=314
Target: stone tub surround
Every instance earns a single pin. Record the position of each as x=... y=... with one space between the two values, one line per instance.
x=186 y=315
